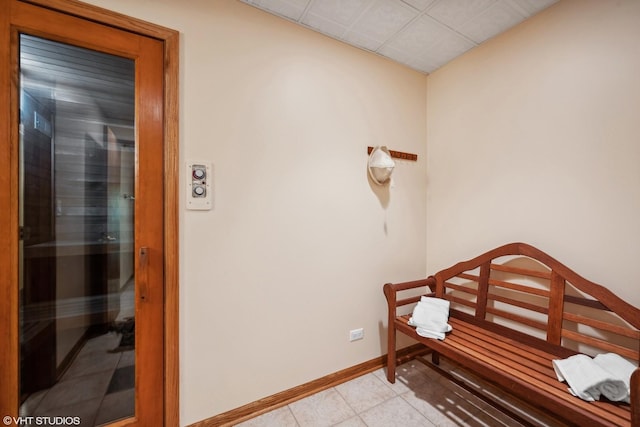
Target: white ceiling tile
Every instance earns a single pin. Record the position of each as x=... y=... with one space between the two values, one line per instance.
x=419 y=35
x=447 y=48
x=425 y=45
x=531 y=7
x=395 y=54
x=344 y=12
x=291 y=9
x=383 y=19
x=424 y=65
x=422 y=34
x=494 y=20
x=419 y=64
x=324 y=25
x=361 y=40
x=454 y=13
x=419 y=4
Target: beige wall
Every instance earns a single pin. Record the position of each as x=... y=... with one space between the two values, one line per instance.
x=535 y=137
x=298 y=245
x=532 y=137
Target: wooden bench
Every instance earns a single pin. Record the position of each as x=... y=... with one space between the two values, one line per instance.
x=513 y=310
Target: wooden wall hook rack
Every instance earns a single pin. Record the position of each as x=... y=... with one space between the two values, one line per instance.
x=398 y=154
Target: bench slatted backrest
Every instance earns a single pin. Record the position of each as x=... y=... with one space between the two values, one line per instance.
x=522 y=288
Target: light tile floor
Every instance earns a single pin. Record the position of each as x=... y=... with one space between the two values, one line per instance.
x=87 y=389
x=98 y=385
x=419 y=397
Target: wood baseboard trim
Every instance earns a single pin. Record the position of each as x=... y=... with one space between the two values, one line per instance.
x=283 y=398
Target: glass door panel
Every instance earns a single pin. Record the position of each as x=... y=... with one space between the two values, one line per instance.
x=76 y=213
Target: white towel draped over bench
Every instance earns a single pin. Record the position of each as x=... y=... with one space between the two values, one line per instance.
x=607 y=374
x=430 y=317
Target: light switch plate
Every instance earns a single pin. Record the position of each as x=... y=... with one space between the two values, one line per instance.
x=199 y=185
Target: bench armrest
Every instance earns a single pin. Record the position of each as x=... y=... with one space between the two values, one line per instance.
x=391 y=291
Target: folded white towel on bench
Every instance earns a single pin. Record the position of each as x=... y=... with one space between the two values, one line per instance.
x=430 y=317
x=619 y=367
x=589 y=379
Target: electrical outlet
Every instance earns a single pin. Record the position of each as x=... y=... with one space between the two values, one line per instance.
x=356 y=334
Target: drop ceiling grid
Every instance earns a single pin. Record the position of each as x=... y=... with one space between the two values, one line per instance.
x=422 y=34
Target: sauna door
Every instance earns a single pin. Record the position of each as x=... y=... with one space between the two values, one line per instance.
x=83 y=176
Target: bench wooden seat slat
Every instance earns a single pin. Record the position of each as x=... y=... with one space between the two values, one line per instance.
x=524 y=378
x=499 y=353
x=533 y=346
x=532 y=378
x=503 y=349
x=496 y=344
x=519 y=384
x=496 y=348
x=539 y=371
x=516 y=353
x=524 y=364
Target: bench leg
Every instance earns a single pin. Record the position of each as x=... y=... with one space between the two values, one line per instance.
x=435 y=358
x=635 y=398
x=391 y=354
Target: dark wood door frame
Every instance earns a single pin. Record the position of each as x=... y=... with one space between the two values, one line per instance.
x=8 y=197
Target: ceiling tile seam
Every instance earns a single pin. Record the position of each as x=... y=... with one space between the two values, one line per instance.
x=471 y=18
x=453 y=29
x=410 y=6
x=388 y=40
x=345 y=29
x=400 y=3
x=356 y=20
x=464 y=23
x=350 y=29
x=396 y=34
x=305 y=11
x=493 y=6
x=299 y=21
x=507 y=3
x=519 y=9
x=342 y=40
x=421 y=14
x=524 y=15
x=364 y=49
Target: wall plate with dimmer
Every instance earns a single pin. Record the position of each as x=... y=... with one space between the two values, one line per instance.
x=199 y=185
